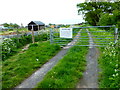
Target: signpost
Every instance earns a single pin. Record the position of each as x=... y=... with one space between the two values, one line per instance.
x=66 y=32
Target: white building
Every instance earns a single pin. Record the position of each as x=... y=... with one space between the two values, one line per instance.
x=1 y=27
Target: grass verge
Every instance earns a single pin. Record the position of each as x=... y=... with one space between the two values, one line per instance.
x=68 y=71
x=18 y=67
x=109 y=65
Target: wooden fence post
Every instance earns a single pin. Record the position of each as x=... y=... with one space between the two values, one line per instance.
x=33 y=39
x=51 y=36
x=116 y=34
x=17 y=35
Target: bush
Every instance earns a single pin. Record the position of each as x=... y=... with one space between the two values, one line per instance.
x=8 y=46
x=33 y=45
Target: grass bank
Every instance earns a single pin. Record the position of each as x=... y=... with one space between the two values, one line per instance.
x=69 y=69
x=20 y=66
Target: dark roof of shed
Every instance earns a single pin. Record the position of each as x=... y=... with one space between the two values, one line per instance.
x=38 y=22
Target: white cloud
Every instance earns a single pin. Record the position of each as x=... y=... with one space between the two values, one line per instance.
x=47 y=11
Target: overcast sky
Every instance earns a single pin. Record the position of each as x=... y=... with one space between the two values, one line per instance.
x=47 y=11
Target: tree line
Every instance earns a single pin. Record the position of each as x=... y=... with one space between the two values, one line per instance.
x=100 y=13
x=13 y=25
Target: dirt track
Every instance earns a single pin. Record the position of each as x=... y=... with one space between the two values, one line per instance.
x=90 y=76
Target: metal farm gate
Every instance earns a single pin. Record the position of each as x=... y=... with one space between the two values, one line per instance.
x=100 y=37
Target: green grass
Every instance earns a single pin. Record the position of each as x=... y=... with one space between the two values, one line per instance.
x=18 y=67
x=103 y=35
x=109 y=64
x=108 y=61
x=69 y=69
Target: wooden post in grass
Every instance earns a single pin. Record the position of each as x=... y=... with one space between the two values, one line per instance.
x=33 y=39
x=116 y=34
x=17 y=35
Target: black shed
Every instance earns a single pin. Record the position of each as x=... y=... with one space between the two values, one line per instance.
x=37 y=25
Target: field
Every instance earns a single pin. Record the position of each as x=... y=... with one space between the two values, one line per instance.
x=20 y=64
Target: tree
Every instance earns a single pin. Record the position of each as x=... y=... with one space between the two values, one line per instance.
x=107 y=19
x=102 y=0
x=11 y=25
x=16 y=25
x=92 y=11
x=5 y=24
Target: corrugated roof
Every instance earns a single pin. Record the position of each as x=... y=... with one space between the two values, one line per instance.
x=38 y=22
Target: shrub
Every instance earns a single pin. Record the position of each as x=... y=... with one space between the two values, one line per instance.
x=33 y=45
x=8 y=46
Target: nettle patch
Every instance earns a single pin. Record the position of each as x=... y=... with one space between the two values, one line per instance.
x=109 y=64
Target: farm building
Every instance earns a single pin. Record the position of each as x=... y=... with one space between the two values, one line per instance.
x=37 y=25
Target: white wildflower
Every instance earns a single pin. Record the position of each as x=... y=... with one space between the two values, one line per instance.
x=114 y=54
x=116 y=65
x=110 y=54
x=37 y=59
x=115 y=70
x=113 y=75
x=116 y=74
